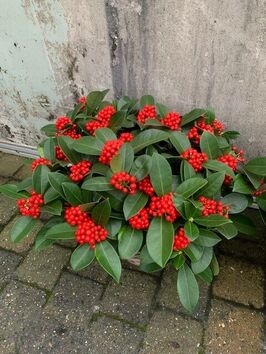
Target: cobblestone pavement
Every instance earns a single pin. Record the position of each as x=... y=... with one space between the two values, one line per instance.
x=46 y=308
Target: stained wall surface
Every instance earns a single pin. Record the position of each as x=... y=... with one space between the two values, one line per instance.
x=187 y=53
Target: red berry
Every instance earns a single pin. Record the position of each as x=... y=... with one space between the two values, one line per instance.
x=141 y=220
x=124 y=182
x=171 y=120
x=40 y=161
x=163 y=206
x=126 y=137
x=59 y=154
x=210 y=206
x=31 y=206
x=145 y=186
x=75 y=216
x=181 y=241
x=80 y=170
x=62 y=123
x=102 y=119
x=195 y=158
x=230 y=161
x=89 y=232
x=147 y=112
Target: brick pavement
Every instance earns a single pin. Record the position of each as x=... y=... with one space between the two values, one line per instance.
x=47 y=308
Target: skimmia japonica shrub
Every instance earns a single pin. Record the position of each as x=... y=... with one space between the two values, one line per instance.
x=131 y=177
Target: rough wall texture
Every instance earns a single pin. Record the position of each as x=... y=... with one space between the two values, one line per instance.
x=186 y=53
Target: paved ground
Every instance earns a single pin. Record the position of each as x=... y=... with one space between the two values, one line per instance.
x=45 y=308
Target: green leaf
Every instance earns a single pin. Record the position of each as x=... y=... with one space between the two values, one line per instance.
x=10 y=190
x=241 y=185
x=40 y=179
x=146 y=262
x=50 y=195
x=178 y=201
x=187 y=288
x=113 y=226
x=186 y=171
x=257 y=166
x=49 y=130
x=212 y=220
x=206 y=275
x=162 y=109
x=191 y=186
x=244 y=224
x=117 y=120
x=178 y=261
x=81 y=257
x=72 y=193
x=209 y=145
x=209 y=115
x=214 y=265
x=191 y=230
x=100 y=169
x=208 y=238
x=134 y=203
x=161 y=175
x=180 y=141
x=254 y=179
x=66 y=145
x=101 y=213
x=61 y=231
x=123 y=160
x=97 y=184
x=129 y=242
x=108 y=259
x=105 y=134
x=193 y=251
x=152 y=123
x=141 y=167
x=231 y=134
x=147 y=100
x=214 y=165
x=160 y=238
x=263 y=216
x=26 y=183
x=49 y=149
x=205 y=260
x=261 y=201
x=237 y=202
x=88 y=145
x=21 y=228
x=228 y=230
x=215 y=182
x=41 y=242
x=56 y=180
x=193 y=115
x=94 y=99
x=148 y=137
x=54 y=207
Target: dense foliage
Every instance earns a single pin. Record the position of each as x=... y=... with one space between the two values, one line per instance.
x=131 y=177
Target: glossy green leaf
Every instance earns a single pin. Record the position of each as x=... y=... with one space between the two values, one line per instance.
x=117 y=120
x=187 y=288
x=40 y=179
x=178 y=261
x=209 y=145
x=212 y=220
x=146 y=262
x=180 y=141
x=148 y=137
x=228 y=231
x=105 y=134
x=237 y=202
x=261 y=201
x=241 y=185
x=129 y=242
x=88 y=145
x=186 y=171
x=208 y=238
x=54 y=207
x=193 y=115
x=66 y=145
x=244 y=224
x=108 y=259
x=214 y=265
x=134 y=203
x=214 y=165
x=101 y=212
x=21 y=228
x=41 y=242
x=49 y=149
x=141 y=167
x=97 y=184
x=215 y=182
x=257 y=166
x=73 y=193
x=147 y=100
x=191 y=230
x=160 y=238
x=206 y=275
x=50 y=195
x=10 y=190
x=26 y=183
x=82 y=257
x=193 y=251
x=61 y=231
x=123 y=160
x=191 y=186
x=205 y=260
x=49 y=130
x=113 y=226
x=94 y=99
x=161 y=175
x=56 y=180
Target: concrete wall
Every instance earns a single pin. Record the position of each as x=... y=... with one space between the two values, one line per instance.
x=186 y=53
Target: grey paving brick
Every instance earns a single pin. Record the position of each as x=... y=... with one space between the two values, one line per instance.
x=3 y=180
x=233 y=329
x=24 y=171
x=75 y=298
x=168 y=297
x=94 y=271
x=117 y=337
x=8 y=263
x=131 y=299
x=43 y=268
x=21 y=246
x=8 y=208
x=9 y=164
x=239 y=281
x=8 y=347
x=170 y=333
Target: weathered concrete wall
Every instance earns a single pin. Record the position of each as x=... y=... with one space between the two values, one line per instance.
x=186 y=53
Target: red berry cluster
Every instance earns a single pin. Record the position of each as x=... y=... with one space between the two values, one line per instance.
x=171 y=120
x=239 y=154
x=230 y=161
x=194 y=133
x=141 y=220
x=59 y=154
x=212 y=207
x=181 y=241
x=31 y=206
x=102 y=119
x=111 y=147
x=147 y=112
x=90 y=233
x=75 y=216
x=40 y=161
x=82 y=100
x=195 y=158
x=218 y=126
x=62 y=123
x=80 y=170
x=259 y=192
x=145 y=186
x=163 y=206
x=124 y=182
